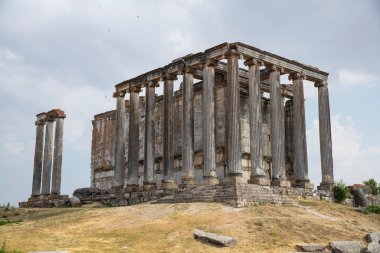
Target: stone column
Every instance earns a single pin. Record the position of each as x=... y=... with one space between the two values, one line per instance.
x=119 y=157
x=187 y=128
x=133 y=140
x=255 y=123
x=149 y=140
x=325 y=137
x=208 y=122
x=38 y=152
x=58 y=144
x=168 y=181
x=277 y=129
x=299 y=133
x=46 y=176
x=233 y=115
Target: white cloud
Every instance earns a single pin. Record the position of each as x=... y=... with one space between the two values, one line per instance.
x=356 y=78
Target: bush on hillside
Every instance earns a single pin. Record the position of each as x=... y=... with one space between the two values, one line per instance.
x=375 y=187
x=341 y=191
x=372 y=209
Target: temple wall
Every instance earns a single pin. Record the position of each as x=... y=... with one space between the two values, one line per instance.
x=103 y=145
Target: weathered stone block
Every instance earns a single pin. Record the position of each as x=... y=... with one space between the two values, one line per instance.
x=310 y=247
x=373 y=247
x=212 y=238
x=347 y=246
x=374 y=237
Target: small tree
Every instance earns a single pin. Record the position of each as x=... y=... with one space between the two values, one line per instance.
x=341 y=191
x=375 y=187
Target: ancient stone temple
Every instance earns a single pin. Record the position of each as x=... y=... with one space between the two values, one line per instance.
x=46 y=186
x=236 y=124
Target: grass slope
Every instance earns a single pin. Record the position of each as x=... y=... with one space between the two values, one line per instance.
x=168 y=227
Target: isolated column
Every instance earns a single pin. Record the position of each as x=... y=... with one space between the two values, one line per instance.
x=133 y=140
x=208 y=122
x=58 y=144
x=38 y=152
x=118 y=176
x=187 y=128
x=168 y=142
x=149 y=149
x=46 y=176
x=255 y=123
x=277 y=129
x=299 y=132
x=325 y=137
x=233 y=115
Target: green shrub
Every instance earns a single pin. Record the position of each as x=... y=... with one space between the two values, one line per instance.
x=375 y=187
x=341 y=191
x=4 y=249
x=372 y=209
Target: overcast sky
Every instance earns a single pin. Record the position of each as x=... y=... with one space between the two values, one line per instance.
x=70 y=54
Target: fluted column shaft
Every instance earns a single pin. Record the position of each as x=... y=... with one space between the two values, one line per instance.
x=38 y=152
x=149 y=149
x=299 y=131
x=187 y=128
x=46 y=177
x=325 y=137
x=208 y=122
x=119 y=157
x=133 y=140
x=277 y=127
x=233 y=115
x=57 y=162
x=168 y=142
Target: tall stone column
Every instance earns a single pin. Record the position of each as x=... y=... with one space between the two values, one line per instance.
x=299 y=132
x=133 y=140
x=208 y=122
x=57 y=161
x=168 y=181
x=46 y=176
x=119 y=157
x=325 y=137
x=233 y=115
x=255 y=123
x=188 y=128
x=277 y=129
x=38 y=152
x=149 y=140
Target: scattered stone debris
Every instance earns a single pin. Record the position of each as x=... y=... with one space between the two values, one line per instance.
x=374 y=237
x=212 y=238
x=373 y=247
x=75 y=201
x=360 y=197
x=347 y=246
x=310 y=247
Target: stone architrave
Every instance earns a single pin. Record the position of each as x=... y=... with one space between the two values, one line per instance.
x=149 y=140
x=119 y=157
x=168 y=180
x=188 y=128
x=277 y=129
x=325 y=137
x=208 y=122
x=255 y=123
x=48 y=148
x=299 y=133
x=233 y=114
x=58 y=145
x=38 y=153
x=133 y=140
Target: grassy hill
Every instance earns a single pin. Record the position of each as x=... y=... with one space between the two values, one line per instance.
x=168 y=227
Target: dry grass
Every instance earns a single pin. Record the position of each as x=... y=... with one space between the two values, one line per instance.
x=168 y=227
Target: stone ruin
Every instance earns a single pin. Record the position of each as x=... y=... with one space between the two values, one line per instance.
x=46 y=186
x=236 y=136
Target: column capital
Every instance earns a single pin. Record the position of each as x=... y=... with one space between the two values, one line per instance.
x=57 y=113
x=320 y=83
x=296 y=76
x=40 y=122
x=41 y=119
x=152 y=83
x=134 y=89
x=169 y=76
x=117 y=94
x=273 y=67
x=188 y=70
x=253 y=61
x=210 y=62
x=232 y=52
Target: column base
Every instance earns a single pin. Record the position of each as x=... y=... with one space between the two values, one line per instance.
x=116 y=183
x=235 y=174
x=259 y=181
x=304 y=184
x=149 y=186
x=210 y=180
x=325 y=186
x=132 y=188
x=281 y=183
x=187 y=182
x=169 y=184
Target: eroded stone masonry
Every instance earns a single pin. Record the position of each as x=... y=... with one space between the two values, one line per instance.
x=237 y=130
